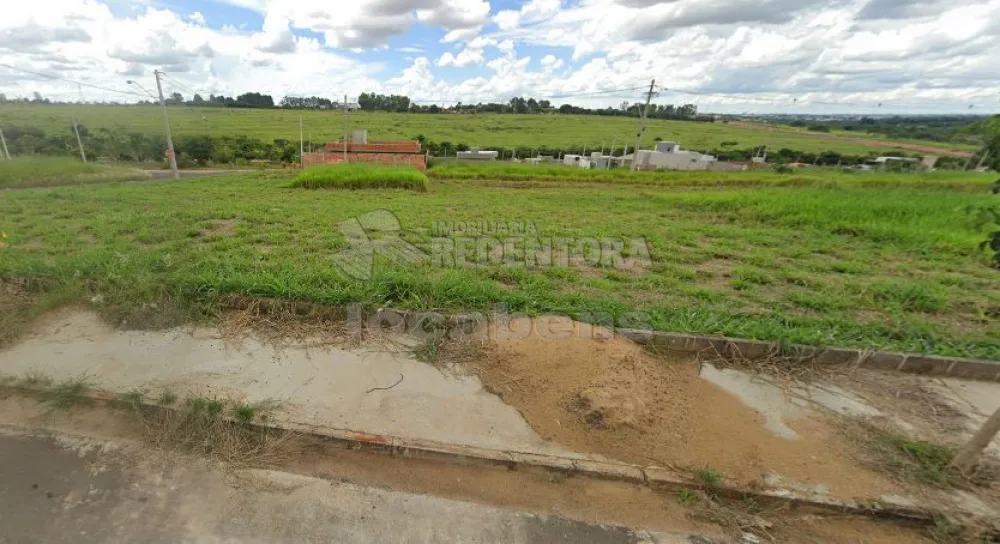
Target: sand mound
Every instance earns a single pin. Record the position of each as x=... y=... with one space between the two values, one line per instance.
x=608 y=396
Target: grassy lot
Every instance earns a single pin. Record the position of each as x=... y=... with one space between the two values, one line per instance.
x=50 y=171
x=361 y=176
x=486 y=130
x=874 y=267
x=824 y=177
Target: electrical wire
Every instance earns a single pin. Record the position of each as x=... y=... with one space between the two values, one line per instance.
x=49 y=76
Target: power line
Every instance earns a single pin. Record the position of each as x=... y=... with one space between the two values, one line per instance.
x=49 y=76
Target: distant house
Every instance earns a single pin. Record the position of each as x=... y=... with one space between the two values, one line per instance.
x=882 y=162
x=477 y=155
x=359 y=149
x=669 y=156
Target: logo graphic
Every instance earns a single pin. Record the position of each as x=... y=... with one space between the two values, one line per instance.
x=511 y=244
x=376 y=232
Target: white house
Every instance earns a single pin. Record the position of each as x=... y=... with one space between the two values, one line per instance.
x=670 y=156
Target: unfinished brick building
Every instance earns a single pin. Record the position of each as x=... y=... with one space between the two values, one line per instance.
x=359 y=149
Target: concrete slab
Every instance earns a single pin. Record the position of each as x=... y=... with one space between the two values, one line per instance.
x=324 y=387
x=779 y=405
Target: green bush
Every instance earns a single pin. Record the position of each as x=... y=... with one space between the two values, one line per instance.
x=361 y=176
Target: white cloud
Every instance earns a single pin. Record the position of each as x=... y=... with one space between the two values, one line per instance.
x=768 y=53
x=507 y=19
x=531 y=11
x=371 y=23
x=550 y=62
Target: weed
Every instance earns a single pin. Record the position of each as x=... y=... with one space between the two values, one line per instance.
x=69 y=393
x=428 y=350
x=708 y=477
x=34 y=378
x=244 y=413
x=901 y=456
x=167 y=398
x=686 y=497
x=128 y=401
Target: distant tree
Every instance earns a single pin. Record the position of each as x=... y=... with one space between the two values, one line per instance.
x=176 y=99
x=197 y=100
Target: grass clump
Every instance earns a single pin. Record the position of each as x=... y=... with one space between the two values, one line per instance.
x=708 y=477
x=38 y=171
x=69 y=393
x=361 y=176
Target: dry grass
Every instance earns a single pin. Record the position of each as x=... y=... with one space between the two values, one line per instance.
x=217 y=428
x=282 y=323
x=785 y=366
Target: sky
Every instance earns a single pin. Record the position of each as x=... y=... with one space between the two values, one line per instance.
x=726 y=56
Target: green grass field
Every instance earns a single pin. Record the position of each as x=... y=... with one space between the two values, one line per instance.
x=811 y=177
x=868 y=267
x=486 y=131
x=50 y=171
x=361 y=176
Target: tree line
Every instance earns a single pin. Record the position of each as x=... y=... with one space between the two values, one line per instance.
x=118 y=144
x=402 y=103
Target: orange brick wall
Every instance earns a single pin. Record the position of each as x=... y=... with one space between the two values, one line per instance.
x=377 y=147
x=417 y=160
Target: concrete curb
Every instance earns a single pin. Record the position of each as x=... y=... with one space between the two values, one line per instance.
x=927 y=365
x=659 y=479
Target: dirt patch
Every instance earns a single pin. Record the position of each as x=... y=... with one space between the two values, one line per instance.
x=15 y=303
x=219 y=228
x=610 y=397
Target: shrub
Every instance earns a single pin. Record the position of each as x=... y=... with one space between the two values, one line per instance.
x=361 y=176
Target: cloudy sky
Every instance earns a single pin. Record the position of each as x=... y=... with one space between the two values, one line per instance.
x=816 y=56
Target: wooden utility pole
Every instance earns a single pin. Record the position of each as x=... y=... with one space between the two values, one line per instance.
x=642 y=126
x=4 y=142
x=79 y=142
x=966 y=458
x=166 y=127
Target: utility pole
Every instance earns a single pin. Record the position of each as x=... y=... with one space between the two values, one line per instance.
x=642 y=126
x=982 y=159
x=345 y=129
x=76 y=127
x=79 y=142
x=4 y=142
x=166 y=126
x=302 y=155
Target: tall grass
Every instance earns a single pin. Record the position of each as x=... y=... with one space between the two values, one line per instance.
x=867 y=267
x=816 y=177
x=40 y=171
x=361 y=176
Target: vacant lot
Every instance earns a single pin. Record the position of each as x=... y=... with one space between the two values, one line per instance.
x=486 y=130
x=49 y=171
x=853 y=266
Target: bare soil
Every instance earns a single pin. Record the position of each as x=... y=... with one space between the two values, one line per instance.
x=610 y=397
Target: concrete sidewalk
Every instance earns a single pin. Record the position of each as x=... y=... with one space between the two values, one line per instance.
x=61 y=488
